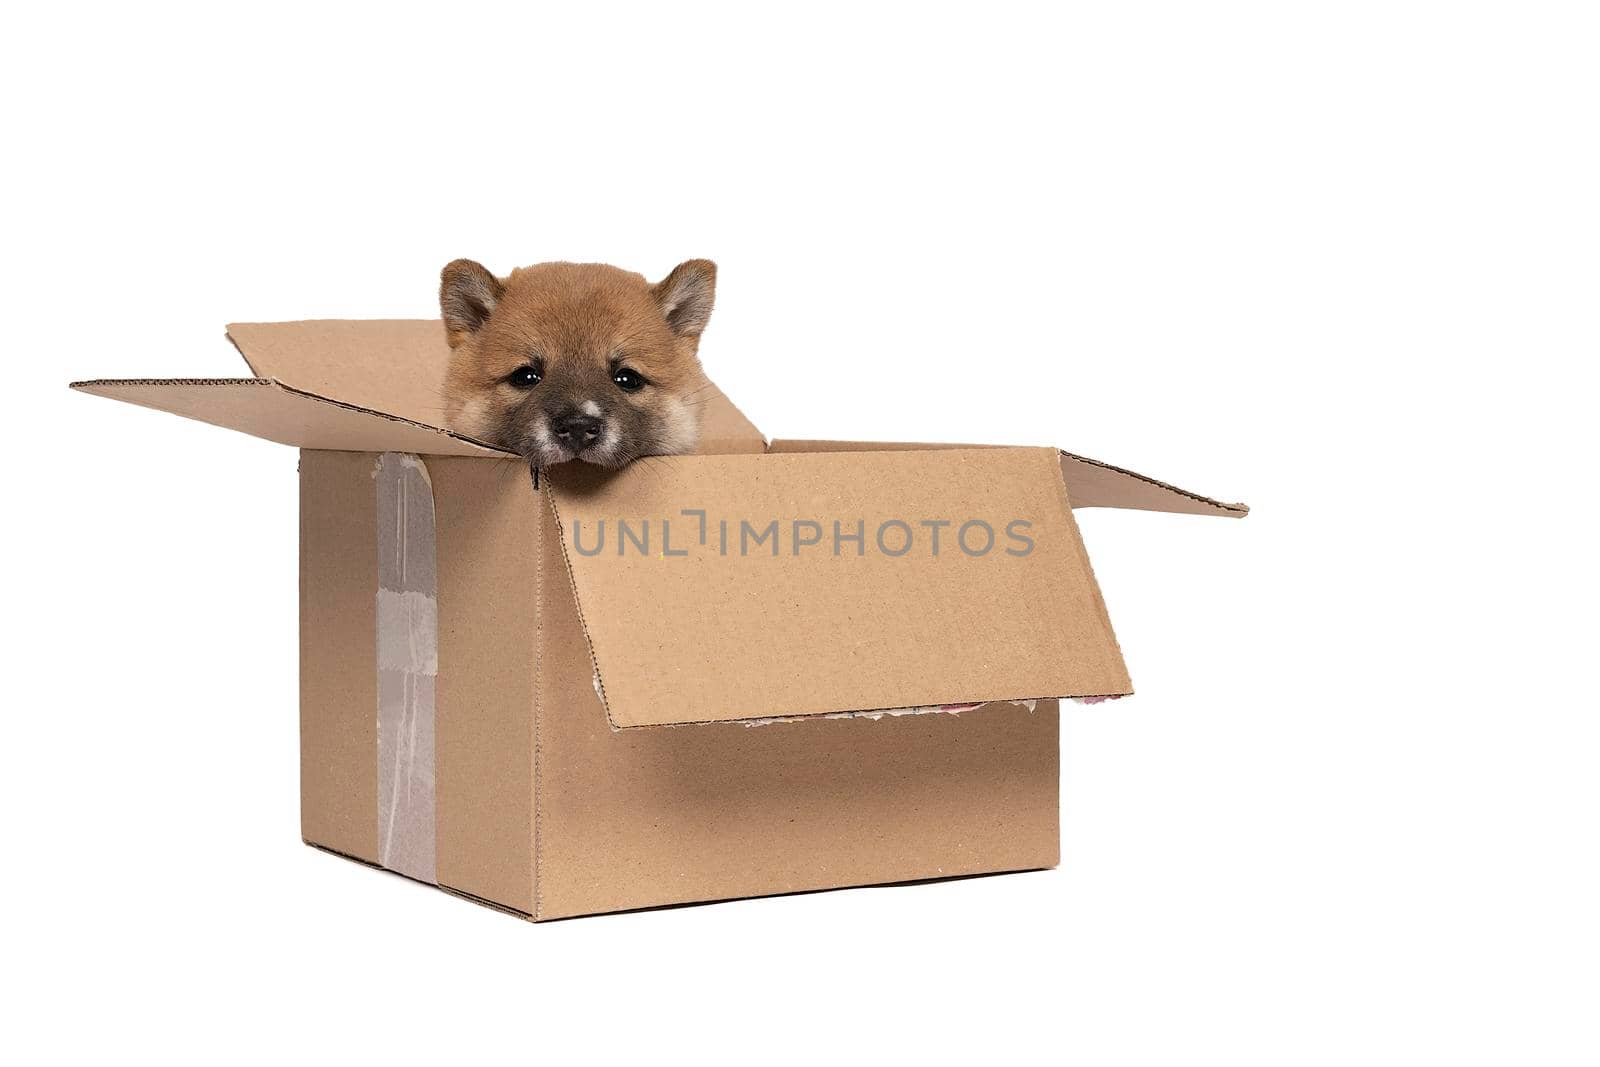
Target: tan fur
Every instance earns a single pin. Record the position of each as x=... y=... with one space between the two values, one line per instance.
x=578 y=322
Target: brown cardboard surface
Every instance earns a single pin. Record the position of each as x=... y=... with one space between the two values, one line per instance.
x=724 y=430
x=488 y=516
x=642 y=818
x=391 y=365
x=1093 y=484
x=338 y=653
x=1090 y=483
x=397 y=366
x=268 y=409
x=712 y=637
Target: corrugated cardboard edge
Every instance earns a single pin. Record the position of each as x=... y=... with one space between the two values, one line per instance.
x=100 y=387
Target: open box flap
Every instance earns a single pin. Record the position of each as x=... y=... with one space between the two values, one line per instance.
x=1090 y=483
x=277 y=412
x=1093 y=484
x=744 y=617
x=397 y=366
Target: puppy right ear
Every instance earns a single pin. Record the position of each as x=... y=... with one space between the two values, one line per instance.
x=468 y=294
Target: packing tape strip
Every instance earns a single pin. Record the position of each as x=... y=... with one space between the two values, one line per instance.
x=408 y=663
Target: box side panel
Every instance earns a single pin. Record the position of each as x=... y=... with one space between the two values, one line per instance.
x=646 y=817
x=338 y=653
x=487 y=514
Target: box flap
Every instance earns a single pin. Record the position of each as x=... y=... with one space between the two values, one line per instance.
x=272 y=410
x=1090 y=483
x=1093 y=484
x=397 y=366
x=736 y=587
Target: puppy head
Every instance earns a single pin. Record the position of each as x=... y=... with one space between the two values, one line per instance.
x=576 y=360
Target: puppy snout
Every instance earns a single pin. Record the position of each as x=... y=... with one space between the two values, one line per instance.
x=575 y=428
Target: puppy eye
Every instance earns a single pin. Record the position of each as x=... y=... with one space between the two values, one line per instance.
x=629 y=381
x=525 y=377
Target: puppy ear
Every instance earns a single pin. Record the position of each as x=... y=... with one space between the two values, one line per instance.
x=467 y=295
x=685 y=296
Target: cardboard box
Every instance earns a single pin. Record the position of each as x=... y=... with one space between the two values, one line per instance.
x=765 y=668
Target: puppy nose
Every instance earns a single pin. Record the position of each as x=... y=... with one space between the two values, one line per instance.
x=576 y=428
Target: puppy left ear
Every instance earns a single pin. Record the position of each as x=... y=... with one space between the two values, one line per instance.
x=685 y=296
x=468 y=294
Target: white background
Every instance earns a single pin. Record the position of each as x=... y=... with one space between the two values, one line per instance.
x=1336 y=260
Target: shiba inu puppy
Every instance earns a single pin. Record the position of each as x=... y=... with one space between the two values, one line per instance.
x=583 y=361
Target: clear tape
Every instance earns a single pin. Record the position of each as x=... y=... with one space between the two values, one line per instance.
x=408 y=663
